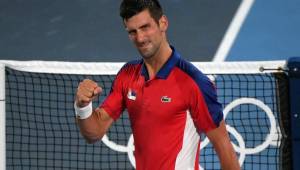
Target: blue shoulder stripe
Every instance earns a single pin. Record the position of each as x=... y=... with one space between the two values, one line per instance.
x=206 y=87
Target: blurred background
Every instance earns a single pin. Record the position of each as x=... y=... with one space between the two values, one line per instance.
x=91 y=30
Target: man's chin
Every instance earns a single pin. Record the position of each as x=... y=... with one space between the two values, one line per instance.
x=145 y=54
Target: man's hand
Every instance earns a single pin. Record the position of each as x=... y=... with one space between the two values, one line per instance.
x=87 y=91
x=96 y=124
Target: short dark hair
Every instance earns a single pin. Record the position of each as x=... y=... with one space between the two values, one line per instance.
x=129 y=8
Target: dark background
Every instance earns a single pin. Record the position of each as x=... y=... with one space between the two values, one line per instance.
x=91 y=30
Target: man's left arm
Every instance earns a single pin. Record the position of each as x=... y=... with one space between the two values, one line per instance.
x=220 y=139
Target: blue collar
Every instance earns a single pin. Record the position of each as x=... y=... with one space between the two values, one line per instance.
x=166 y=68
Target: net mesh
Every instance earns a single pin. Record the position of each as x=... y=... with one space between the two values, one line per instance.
x=41 y=132
x=253 y=93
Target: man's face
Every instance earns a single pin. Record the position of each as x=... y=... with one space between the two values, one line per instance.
x=145 y=33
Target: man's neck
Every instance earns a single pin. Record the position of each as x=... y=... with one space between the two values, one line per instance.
x=155 y=63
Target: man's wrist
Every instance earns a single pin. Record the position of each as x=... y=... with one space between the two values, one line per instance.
x=83 y=112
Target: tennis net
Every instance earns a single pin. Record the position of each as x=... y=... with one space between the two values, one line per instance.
x=39 y=129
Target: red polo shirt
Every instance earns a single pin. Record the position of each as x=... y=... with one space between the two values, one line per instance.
x=167 y=113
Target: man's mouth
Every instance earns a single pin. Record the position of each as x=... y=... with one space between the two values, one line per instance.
x=143 y=45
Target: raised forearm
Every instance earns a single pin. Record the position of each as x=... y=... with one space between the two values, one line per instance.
x=93 y=124
x=94 y=127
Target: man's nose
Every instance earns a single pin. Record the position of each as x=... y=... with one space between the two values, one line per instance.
x=140 y=36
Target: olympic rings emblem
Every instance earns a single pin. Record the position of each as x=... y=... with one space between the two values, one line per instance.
x=241 y=149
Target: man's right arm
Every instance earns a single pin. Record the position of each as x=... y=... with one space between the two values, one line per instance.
x=92 y=125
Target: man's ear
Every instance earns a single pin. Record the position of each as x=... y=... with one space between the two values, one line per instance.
x=163 y=23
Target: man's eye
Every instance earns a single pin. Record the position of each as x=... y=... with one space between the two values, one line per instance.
x=131 y=33
x=145 y=27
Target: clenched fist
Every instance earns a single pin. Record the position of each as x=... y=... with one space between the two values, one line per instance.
x=87 y=90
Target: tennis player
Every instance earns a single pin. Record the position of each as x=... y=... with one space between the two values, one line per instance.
x=169 y=101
